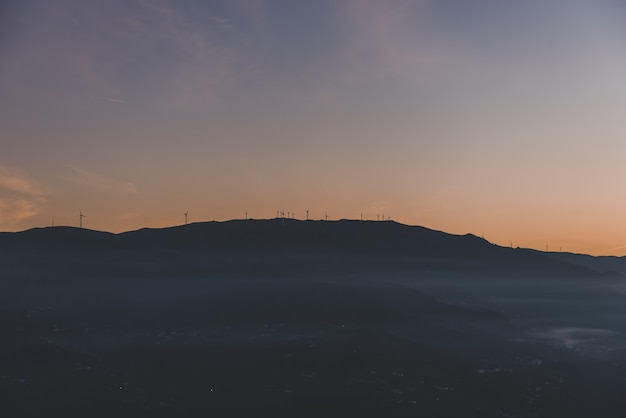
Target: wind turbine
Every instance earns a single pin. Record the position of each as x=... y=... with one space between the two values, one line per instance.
x=307 y=214
x=81 y=218
x=246 y=215
x=186 y=215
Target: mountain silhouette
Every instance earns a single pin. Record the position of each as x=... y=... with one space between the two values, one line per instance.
x=374 y=240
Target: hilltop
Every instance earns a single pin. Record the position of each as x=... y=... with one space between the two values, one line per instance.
x=358 y=242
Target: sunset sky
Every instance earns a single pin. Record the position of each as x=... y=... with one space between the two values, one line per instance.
x=499 y=118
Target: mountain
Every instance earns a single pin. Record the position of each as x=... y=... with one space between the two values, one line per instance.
x=365 y=243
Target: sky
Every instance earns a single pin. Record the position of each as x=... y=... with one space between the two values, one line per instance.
x=500 y=118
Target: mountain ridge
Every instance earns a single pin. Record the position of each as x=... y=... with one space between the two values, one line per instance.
x=274 y=233
x=285 y=237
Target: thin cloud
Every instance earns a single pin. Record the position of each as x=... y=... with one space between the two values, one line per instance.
x=13 y=183
x=100 y=182
x=255 y=11
x=150 y=50
x=112 y=100
x=20 y=197
x=15 y=210
x=612 y=249
x=393 y=38
x=204 y=43
x=129 y=216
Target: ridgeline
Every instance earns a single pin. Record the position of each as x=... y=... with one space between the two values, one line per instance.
x=355 y=240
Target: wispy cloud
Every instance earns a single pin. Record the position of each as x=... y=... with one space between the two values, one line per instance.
x=112 y=100
x=612 y=249
x=20 y=197
x=393 y=38
x=186 y=55
x=200 y=44
x=13 y=183
x=129 y=216
x=150 y=50
x=99 y=182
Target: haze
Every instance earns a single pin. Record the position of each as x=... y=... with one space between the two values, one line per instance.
x=502 y=119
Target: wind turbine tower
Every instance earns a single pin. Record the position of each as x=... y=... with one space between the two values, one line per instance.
x=186 y=216
x=307 y=214
x=81 y=218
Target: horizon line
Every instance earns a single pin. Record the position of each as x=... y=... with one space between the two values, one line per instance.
x=280 y=218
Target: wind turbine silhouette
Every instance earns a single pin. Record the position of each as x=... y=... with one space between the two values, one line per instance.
x=81 y=218
x=307 y=214
x=186 y=215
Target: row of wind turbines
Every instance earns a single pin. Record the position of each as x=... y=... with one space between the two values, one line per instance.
x=279 y=214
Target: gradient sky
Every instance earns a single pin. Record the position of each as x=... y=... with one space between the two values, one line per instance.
x=500 y=118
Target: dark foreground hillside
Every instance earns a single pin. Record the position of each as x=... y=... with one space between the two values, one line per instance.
x=328 y=319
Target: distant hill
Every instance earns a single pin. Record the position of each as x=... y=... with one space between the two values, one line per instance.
x=605 y=264
x=404 y=245
x=344 y=236
x=273 y=235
